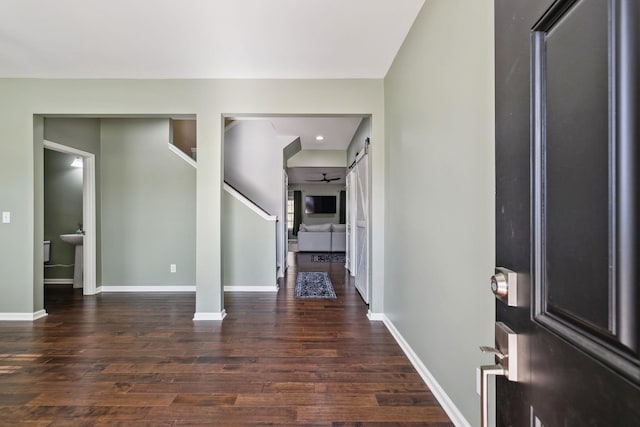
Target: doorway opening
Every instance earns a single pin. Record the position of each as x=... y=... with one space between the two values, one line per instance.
x=136 y=238
x=82 y=272
x=295 y=169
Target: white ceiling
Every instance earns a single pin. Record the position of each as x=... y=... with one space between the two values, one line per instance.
x=202 y=38
x=337 y=131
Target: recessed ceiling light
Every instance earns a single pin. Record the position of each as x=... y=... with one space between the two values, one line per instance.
x=319 y=138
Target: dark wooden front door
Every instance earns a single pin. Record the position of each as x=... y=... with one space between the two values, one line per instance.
x=567 y=209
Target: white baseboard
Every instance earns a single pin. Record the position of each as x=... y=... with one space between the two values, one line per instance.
x=59 y=281
x=210 y=316
x=251 y=288
x=23 y=316
x=375 y=317
x=39 y=314
x=108 y=288
x=438 y=392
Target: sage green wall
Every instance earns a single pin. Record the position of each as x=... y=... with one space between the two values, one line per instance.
x=24 y=99
x=141 y=159
x=357 y=142
x=319 y=190
x=247 y=237
x=440 y=193
x=253 y=165
x=83 y=134
x=80 y=133
x=62 y=211
x=148 y=206
x=290 y=150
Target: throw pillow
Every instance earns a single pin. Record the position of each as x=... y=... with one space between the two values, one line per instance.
x=341 y=228
x=319 y=227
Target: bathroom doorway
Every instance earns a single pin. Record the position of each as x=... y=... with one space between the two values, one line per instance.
x=84 y=264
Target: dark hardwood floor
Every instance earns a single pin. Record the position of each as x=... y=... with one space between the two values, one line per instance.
x=139 y=359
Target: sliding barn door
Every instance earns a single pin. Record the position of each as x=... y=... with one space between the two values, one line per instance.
x=361 y=187
x=284 y=223
x=350 y=247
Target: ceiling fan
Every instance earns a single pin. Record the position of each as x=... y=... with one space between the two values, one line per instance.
x=324 y=179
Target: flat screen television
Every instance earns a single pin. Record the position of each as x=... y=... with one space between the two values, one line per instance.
x=320 y=205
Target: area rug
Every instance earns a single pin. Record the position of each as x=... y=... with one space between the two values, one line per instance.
x=314 y=285
x=329 y=258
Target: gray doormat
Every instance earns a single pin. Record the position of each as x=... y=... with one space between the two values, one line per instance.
x=314 y=285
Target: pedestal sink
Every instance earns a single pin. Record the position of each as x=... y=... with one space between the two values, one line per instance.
x=76 y=240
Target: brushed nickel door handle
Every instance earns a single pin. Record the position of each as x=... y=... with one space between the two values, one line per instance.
x=506 y=364
x=485 y=371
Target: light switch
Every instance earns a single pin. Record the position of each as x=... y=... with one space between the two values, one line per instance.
x=6 y=217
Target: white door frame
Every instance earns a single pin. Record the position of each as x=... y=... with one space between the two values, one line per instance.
x=348 y=250
x=88 y=213
x=285 y=219
x=360 y=180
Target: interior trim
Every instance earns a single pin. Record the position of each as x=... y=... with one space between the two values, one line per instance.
x=89 y=268
x=375 y=317
x=438 y=392
x=210 y=316
x=23 y=316
x=67 y=281
x=240 y=197
x=178 y=152
x=252 y=288
x=107 y=288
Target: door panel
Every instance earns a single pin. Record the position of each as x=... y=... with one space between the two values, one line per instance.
x=567 y=98
x=349 y=222
x=574 y=108
x=285 y=223
x=362 y=227
x=351 y=228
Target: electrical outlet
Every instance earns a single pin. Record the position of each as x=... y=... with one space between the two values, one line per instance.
x=6 y=217
x=172 y=268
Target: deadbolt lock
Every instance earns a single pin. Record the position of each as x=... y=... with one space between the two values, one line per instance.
x=499 y=285
x=504 y=285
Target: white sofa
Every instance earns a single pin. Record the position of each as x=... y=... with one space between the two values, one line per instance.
x=322 y=238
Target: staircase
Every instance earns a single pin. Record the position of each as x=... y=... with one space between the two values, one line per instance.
x=249 y=232
x=248 y=244
x=184 y=137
